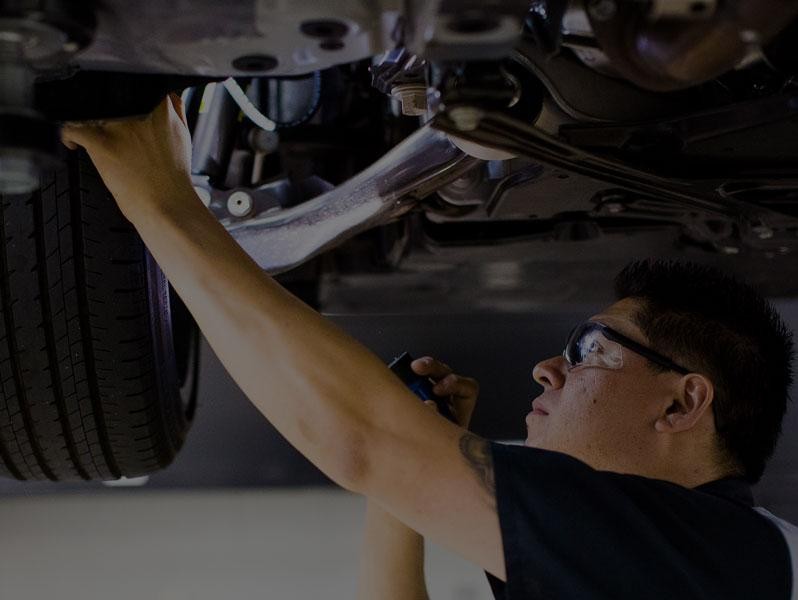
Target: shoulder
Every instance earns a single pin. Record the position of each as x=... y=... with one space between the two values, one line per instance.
x=566 y=527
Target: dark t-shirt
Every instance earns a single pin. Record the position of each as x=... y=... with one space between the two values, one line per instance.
x=571 y=532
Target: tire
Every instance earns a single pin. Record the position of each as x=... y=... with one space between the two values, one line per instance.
x=93 y=384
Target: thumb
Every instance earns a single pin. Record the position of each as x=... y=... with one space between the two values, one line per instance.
x=68 y=138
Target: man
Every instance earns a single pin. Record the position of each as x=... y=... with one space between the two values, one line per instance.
x=633 y=481
x=564 y=522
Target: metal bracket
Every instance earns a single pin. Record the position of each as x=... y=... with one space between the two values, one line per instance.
x=279 y=240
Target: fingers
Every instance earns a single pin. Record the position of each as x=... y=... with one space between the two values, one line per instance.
x=68 y=143
x=460 y=392
x=70 y=136
x=74 y=135
x=457 y=386
x=447 y=383
x=87 y=134
x=430 y=367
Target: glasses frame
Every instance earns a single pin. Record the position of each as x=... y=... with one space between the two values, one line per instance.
x=624 y=341
x=637 y=348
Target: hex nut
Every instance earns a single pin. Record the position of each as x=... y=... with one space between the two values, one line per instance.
x=413 y=98
x=239 y=204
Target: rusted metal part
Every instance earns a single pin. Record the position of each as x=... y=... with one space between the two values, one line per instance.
x=670 y=54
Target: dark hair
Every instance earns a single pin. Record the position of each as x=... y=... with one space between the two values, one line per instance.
x=718 y=326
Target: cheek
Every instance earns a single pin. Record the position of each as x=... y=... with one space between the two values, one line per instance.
x=589 y=392
x=594 y=401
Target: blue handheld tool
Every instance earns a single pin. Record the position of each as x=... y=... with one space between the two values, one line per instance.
x=421 y=386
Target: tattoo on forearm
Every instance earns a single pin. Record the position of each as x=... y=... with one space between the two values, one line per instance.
x=476 y=452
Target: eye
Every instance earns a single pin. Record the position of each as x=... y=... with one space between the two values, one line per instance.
x=595 y=347
x=591 y=345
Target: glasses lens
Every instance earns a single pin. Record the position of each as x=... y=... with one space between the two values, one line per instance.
x=588 y=346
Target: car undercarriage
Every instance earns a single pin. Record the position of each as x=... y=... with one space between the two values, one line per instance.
x=381 y=156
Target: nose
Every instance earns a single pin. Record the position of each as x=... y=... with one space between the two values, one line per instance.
x=550 y=373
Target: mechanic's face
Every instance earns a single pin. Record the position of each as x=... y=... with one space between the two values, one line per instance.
x=601 y=416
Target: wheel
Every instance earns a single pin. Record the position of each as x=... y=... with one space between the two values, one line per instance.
x=98 y=358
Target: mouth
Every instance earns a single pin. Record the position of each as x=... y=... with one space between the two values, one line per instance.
x=537 y=409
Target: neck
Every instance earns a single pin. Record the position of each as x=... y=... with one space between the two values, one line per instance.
x=689 y=467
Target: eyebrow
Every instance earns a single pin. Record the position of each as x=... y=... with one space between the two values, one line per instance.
x=618 y=331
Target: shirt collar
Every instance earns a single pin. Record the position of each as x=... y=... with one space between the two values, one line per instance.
x=735 y=489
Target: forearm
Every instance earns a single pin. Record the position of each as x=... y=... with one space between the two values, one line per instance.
x=316 y=384
x=392 y=564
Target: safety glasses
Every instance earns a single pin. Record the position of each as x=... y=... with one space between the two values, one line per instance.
x=596 y=345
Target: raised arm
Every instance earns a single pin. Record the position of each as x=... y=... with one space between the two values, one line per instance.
x=326 y=393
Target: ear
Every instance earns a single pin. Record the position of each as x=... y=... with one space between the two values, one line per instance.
x=693 y=396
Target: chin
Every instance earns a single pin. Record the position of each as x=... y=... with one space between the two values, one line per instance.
x=540 y=441
x=531 y=442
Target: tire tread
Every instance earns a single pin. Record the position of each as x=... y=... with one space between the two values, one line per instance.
x=85 y=392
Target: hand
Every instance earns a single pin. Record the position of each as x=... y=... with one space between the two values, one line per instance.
x=461 y=392
x=144 y=162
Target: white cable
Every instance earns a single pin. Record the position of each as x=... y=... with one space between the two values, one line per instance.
x=249 y=109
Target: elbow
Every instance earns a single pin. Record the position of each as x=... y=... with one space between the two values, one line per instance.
x=343 y=446
x=354 y=465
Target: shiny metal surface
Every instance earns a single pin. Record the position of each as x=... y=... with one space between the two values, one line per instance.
x=207 y=37
x=419 y=165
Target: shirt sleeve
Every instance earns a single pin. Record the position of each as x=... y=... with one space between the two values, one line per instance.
x=569 y=531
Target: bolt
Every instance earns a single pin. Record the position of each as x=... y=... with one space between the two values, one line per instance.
x=763 y=232
x=70 y=47
x=239 y=204
x=730 y=250
x=614 y=207
x=783 y=249
x=466 y=118
x=413 y=98
x=602 y=10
